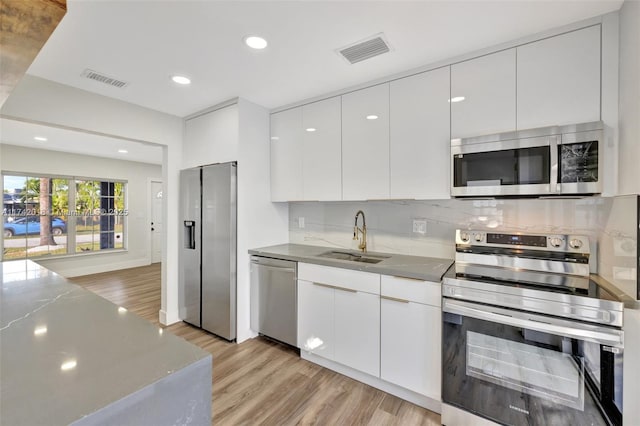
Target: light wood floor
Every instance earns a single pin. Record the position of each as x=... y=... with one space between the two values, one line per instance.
x=259 y=381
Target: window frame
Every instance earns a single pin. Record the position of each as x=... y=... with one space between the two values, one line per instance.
x=71 y=218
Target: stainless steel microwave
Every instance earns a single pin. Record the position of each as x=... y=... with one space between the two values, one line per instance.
x=558 y=160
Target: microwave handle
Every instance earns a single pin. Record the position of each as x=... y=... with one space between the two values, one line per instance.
x=554 y=187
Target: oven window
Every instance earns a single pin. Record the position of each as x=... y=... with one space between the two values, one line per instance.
x=513 y=375
x=524 y=166
x=536 y=371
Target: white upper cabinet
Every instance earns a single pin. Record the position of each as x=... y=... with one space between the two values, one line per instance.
x=559 y=79
x=286 y=155
x=488 y=85
x=365 y=144
x=211 y=138
x=322 y=155
x=420 y=140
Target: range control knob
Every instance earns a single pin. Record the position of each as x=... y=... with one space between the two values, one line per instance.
x=555 y=242
x=464 y=237
x=478 y=237
x=575 y=243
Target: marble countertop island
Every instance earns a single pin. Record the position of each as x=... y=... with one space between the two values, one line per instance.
x=418 y=267
x=69 y=356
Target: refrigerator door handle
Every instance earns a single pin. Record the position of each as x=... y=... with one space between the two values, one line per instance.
x=190 y=234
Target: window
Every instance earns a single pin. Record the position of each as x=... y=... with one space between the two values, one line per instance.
x=54 y=215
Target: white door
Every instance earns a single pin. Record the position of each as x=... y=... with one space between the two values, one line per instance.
x=286 y=155
x=157 y=228
x=483 y=95
x=315 y=318
x=322 y=154
x=410 y=346
x=357 y=330
x=420 y=143
x=365 y=144
x=559 y=80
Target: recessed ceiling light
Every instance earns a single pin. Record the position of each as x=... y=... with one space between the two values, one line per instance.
x=311 y=129
x=180 y=79
x=457 y=99
x=40 y=138
x=255 y=42
x=123 y=151
x=372 y=117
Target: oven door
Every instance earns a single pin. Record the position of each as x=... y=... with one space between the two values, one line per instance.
x=520 y=368
x=511 y=167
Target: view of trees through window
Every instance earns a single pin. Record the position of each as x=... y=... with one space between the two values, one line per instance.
x=47 y=215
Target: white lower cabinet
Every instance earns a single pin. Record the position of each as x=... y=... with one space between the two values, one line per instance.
x=386 y=327
x=410 y=334
x=410 y=346
x=357 y=330
x=315 y=319
x=339 y=316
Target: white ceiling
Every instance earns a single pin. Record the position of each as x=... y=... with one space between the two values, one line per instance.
x=22 y=134
x=144 y=42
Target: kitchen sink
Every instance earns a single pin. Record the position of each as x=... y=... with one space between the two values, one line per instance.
x=353 y=257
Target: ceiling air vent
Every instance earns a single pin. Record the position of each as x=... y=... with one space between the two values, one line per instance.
x=365 y=49
x=94 y=75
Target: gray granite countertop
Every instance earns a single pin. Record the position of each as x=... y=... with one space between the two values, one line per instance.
x=66 y=352
x=419 y=267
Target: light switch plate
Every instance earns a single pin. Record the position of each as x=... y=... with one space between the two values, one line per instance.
x=419 y=226
x=301 y=222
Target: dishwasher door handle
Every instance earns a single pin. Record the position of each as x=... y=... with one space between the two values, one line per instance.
x=278 y=268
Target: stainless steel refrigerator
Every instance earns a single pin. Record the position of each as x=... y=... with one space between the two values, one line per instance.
x=207 y=261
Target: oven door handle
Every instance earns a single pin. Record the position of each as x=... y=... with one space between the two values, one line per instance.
x=601 y=335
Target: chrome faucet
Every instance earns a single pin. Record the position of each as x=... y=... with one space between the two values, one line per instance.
x=361 y=231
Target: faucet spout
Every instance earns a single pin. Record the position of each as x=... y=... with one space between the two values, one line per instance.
x=362 y=231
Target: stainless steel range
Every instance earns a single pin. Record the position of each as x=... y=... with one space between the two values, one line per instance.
x=528 y=337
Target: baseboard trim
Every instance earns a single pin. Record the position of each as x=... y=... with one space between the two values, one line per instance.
x=102 y=265
x=168 y=318
x=400 y=392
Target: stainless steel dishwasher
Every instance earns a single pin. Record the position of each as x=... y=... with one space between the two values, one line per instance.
x=274 y=298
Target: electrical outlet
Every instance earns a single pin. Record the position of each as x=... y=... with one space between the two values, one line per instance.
x=419 y=226
x=301 y=222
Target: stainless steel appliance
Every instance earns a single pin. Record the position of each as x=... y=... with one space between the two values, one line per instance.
x=274 y=298
x=207 y=261
x=558 y=160
x=528 y=337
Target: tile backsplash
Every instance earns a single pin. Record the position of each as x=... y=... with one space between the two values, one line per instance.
x=608 y=222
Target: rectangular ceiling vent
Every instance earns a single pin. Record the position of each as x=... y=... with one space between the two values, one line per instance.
x=365 y=49
x=94 y=75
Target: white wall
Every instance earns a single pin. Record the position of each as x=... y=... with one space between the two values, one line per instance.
x=28 y=160
x=46 y=102
x=629 y=107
